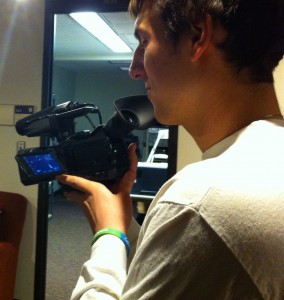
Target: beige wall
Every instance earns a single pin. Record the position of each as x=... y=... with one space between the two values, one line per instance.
x=279 y=84
x=188 y=152
x=21 y=40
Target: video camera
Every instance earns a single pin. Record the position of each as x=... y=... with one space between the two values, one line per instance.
x=99 y=154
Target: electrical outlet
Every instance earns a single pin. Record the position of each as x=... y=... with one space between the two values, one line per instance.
x=21 y=145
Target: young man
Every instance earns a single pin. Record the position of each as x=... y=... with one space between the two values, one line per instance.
x=216 y=229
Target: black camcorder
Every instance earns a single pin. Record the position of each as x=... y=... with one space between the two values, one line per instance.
x=99 y=154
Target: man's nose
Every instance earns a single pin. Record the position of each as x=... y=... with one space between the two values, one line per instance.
x=136 y=69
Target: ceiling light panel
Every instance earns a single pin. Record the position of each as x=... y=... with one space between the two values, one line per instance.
x=96 y=26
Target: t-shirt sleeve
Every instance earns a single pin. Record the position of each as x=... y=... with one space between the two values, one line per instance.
x=104 y=274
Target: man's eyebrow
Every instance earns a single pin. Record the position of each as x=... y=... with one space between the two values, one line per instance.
x=136 y=33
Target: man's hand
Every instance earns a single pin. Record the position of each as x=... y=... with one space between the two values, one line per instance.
x=105 y=208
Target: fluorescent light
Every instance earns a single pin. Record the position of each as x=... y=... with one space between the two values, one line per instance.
x=96 y=25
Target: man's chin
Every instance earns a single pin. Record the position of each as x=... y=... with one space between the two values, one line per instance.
x=163 y=120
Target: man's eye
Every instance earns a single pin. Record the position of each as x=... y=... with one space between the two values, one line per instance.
x=143 y=43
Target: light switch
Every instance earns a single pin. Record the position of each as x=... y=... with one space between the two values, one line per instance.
x=21 y=145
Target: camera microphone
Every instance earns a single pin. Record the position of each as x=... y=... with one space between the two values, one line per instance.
x=44 y=122
x=22 y=124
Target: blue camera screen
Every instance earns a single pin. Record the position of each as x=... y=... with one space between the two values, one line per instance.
x=41 y=164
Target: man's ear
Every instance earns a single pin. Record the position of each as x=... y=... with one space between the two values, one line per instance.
x=201 y=33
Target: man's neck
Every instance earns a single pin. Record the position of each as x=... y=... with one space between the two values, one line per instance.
x=225 y=116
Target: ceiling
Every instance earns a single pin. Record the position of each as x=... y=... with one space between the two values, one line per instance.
x=78 y=50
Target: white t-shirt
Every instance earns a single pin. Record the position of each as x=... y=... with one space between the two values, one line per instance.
x=214 y=231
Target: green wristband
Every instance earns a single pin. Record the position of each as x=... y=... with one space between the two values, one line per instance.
x=114 y=232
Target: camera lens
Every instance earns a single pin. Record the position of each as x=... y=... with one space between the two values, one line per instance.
x=130 y=117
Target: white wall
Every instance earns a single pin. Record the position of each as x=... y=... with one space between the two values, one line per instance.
x=21 y=40
x=188 y=152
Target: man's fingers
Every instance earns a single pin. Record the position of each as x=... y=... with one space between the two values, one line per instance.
x=129 y=177
x=133 y=159
x=76 y=182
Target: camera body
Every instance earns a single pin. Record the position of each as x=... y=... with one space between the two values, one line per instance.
x=100 y=155
x=91 y=155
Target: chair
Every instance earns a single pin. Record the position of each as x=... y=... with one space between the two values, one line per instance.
x=12 y=217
